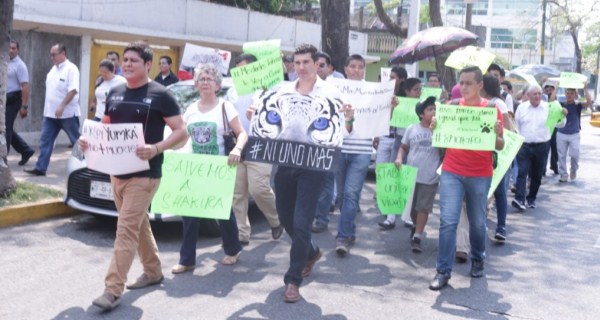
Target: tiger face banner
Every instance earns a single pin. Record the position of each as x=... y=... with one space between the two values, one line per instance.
x=289 y=129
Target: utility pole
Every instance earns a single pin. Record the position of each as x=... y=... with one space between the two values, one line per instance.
x=469 y=14
x=542 y=52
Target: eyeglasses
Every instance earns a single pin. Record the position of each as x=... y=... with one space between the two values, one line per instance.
x=322 y=65
x=205 y=80
x=52 y=54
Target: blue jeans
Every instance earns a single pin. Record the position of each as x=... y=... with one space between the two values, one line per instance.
x=453 y=188
x=350 y=179
x=325 y=199
x=296 y=193
x=50 y=129
x=532 y=158
x=229 y=235
x=501 y=203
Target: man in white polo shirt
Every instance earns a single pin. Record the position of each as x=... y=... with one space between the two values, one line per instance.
x=61 y=107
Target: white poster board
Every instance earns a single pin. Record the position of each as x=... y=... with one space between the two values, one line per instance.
x=194 y=54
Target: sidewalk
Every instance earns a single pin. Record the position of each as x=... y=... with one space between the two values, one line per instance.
x=56 y=177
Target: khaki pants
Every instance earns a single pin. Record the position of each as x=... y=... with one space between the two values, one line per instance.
x=132 y=198
x=253 y=178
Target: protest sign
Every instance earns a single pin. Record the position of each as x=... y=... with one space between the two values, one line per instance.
x=384 y=74
x=431 y=92
x=555 y=115
x=505 y=157
x=263 y=49
x=405 y=113
x=112 y=147
x=194 y=54
x=262 y=74
x=394 y=187
x=470 y=56
x=372 y=105
x=571 y=80
x=195 y=185
x=468 y=128
x=292 y=154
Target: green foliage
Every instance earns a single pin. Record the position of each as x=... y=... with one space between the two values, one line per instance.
x=424 y=14
x=28 y=192
x=266 y=6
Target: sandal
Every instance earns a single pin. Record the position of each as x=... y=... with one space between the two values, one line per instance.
x=230 y=260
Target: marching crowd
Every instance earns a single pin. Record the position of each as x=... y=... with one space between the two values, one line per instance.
x=301 y=199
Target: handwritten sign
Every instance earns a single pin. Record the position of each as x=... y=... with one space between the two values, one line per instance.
x=394 y=187
x=194 y=55
x=263 y=49
x=470 y=56
x=262 y=74
x=431 y=92
x=195 y=185
x=404 y=113
x=372 y=105
x=292 y=154
x=469 y=128
x=555 y=115
x=512 y=144
x=384 y=74
x=112 y=147
x=571 y=80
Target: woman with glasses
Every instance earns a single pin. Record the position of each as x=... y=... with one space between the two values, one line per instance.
x=205 y=122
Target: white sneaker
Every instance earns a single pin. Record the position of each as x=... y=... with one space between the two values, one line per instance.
x=573 y=175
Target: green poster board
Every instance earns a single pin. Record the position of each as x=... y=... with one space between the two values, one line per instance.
x=195 y=185
x=571 y=80
x=512 y=144
x=431 y=92
x=262 y=49
x=404 y=113
x=262 y=74
x=394 y=187
x=469 y=128
x=555 y=115
x=470 y=56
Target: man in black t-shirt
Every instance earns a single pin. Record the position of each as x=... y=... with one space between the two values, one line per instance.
x=148 y=103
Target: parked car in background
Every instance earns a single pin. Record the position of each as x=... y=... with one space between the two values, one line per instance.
x=89 y=190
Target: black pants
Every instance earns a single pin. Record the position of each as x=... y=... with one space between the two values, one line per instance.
x=13 y=104
x=553 y=153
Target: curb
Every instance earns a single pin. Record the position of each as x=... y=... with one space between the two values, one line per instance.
x=41 y=210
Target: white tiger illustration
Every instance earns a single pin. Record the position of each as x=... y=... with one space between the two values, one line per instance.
x=201 y=135
x=295 y=117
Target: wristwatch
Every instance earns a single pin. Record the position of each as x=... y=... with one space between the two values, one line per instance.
x=25 y=106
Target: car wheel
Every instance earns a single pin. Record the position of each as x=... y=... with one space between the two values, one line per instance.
x=209 y=228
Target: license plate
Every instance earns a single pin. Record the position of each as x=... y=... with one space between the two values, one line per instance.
x=101 y=190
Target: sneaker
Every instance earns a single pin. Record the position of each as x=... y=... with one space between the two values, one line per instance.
x=387 y=225
x=476 y=269
x=144 y=281
x=107 y=301
x=573 y=175
x=341 y=247
x=415 y=245
x=531 y=204
x=319 y=227
x=518 y=204
x=563 y=179
x=408 y=224
x=461 y=257
x=500 y=235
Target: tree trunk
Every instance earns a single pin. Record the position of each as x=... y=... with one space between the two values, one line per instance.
x=577 y=50
x=393 y=28
x=335 y=29
x=7 y=182
x=447 y=74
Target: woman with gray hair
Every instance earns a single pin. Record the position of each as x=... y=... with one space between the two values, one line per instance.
x=206 y=120
x=107 y=80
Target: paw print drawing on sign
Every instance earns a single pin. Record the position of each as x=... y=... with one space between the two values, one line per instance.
x=486 y=128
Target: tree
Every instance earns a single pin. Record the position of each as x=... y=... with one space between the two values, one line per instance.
x=7 y=182
x=335 y=27
x=571 y=17
x=266 y=6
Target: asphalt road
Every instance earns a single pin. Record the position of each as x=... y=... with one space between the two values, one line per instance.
x=548 y=269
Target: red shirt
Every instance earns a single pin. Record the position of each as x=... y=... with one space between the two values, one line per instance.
x=469 y=163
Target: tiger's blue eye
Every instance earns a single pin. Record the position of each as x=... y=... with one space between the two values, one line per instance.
x=320 y=123
x=273 y=117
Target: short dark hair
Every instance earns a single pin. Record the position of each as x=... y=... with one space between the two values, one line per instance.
x=324 y=55
x=306 y=48
x=106 y=63
x=400 y=72
x=433 y=74
x=409 y=84
x=115 y=53
x=249 y=58
x=423 y=104
x=491 y=86
x=473 y=69
x=61 y=47
x=356 y=57
x=498 y=68
x=15 y=42
x=142 y=49
x=169 y=60
x=507 y=84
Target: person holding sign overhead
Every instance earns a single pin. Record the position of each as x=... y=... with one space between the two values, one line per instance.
x=206 y=120
x=466 y=174
x=149 y=103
